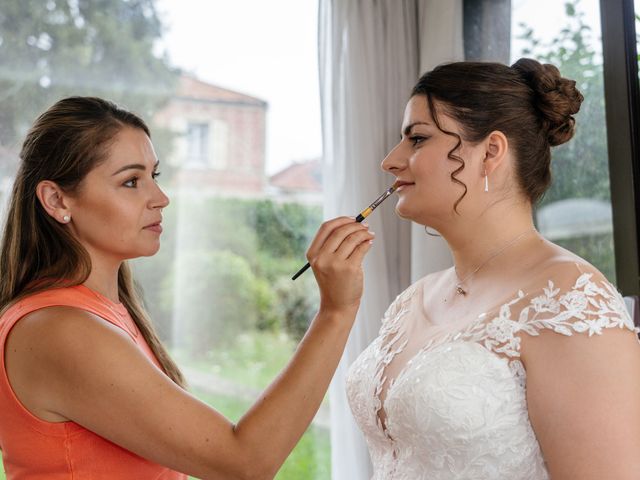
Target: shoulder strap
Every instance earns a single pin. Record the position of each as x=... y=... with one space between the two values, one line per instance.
x=77 y=296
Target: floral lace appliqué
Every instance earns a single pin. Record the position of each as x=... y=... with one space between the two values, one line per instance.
x=587 y=307
x=458 y=408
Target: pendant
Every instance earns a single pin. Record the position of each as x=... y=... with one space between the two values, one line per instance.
x=460 y=290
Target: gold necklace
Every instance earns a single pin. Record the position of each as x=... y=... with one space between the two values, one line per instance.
x=459 y=289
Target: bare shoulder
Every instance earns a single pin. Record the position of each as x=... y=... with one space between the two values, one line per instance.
x=558 y=264
x=47 y=347
x=55 y=331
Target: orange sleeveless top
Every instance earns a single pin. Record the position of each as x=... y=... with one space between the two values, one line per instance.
x=34 y=449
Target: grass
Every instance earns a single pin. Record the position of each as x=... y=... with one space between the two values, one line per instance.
x=253 y=360
x=310 y=459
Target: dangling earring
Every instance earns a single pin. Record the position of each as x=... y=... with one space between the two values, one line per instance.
x=426 y=230
x=486 y=181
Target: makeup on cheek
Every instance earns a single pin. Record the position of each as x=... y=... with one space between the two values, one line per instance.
x=361 y=216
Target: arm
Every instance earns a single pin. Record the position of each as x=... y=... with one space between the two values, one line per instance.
x=583 y=395
x=106 y=384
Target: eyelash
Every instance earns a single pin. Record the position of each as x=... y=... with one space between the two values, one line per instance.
x=416 y=139
x=154 y=176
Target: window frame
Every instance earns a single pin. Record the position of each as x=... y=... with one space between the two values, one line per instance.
x=622 y=109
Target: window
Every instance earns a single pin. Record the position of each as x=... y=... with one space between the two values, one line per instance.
x=220 y=288
x=197 y=145
x=228 y=115
x=576 y=211
x=219 y=149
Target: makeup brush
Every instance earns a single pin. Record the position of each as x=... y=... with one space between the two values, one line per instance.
x=361 y=216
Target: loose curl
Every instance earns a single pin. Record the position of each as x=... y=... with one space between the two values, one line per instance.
x=531 y=103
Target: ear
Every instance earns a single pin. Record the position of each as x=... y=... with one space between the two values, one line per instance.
x=496 y=147
x=53 y=200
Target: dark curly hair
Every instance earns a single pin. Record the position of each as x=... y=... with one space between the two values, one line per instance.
x=530 y=102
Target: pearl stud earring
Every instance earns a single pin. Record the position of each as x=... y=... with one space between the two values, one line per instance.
x=66 y=218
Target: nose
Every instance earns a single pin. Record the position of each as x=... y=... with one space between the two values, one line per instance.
x=394 y=161
x=160 y=199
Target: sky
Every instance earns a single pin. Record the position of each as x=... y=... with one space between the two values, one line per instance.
x=266 y=49
x=548 y=17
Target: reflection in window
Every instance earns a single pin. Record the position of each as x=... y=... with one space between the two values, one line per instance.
x=576 y=211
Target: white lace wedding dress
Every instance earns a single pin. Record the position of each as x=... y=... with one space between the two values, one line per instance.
x=457 y=409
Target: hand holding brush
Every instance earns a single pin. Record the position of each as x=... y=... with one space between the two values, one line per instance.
x=361 y=216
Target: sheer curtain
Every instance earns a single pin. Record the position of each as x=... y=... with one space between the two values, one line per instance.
x=370 y=55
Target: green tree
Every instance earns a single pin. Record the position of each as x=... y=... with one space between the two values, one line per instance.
x=220 y=303
x=50 y=49
x=580 y=166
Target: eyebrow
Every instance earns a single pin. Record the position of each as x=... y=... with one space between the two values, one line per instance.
x=408 y=128
x=134 y=166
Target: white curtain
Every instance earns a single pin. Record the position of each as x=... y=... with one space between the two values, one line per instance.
x=370 y=55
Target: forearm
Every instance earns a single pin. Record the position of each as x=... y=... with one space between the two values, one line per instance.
x=275 y=423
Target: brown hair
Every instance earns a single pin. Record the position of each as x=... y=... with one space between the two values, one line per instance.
x=531 y=103
x=38 y=253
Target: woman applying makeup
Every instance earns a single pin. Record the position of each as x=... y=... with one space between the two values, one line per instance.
x=87 y=391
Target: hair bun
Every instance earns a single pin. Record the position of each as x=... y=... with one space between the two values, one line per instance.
x=556 y=98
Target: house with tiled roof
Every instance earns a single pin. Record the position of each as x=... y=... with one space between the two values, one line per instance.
x=300 y=182
x=220 y=135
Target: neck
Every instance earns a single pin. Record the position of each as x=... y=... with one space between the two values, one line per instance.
x=104 y=277
x=473 y=243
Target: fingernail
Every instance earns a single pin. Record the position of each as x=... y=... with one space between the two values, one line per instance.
x=372 y=233
x=365 y=224
x=370 y=242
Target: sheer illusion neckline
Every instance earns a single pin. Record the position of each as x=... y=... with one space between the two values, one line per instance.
x=454 y=403
x=496 y=330
x=397 y=335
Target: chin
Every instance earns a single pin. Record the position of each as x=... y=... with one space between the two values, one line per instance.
x=404 y=213
x=147 y=251
x=151 y=252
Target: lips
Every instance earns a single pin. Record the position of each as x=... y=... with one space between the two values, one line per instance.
x=154 y=227
x=402 y=183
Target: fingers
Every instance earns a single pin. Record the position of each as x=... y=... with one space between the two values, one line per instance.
x=336 y=256
x=348 y=245
x=360 y=251
x=325 y=230
x=338 y=237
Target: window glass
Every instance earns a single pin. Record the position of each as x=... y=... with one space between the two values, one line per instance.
x=197 y=145
x=576 y=211
x=233 y=105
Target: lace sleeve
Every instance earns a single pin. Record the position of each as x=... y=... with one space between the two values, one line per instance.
x=588 y=305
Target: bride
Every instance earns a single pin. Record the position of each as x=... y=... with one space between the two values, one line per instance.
x=520 y=362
